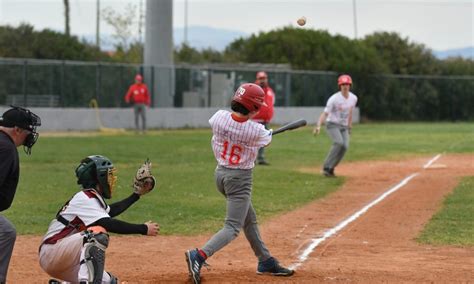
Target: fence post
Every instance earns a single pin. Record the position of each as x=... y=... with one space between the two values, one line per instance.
x=153 y=85
x=97 y=82
x=25 y=82
x=121 y=85
x=209 y=79
x=172 y=82
x=61 y=91
x=287 y=88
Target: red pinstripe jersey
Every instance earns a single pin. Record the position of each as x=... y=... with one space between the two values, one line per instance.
x=235 y=143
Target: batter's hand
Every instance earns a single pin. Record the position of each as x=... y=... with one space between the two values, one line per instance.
x=317 y=130
x=153 y=228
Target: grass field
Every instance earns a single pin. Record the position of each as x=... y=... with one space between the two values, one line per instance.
x=187 y=202
x=454 y=223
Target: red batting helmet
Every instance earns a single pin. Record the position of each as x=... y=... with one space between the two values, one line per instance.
x=251 y=96
x=139 y=78
x=261 y=74
x=344 y=79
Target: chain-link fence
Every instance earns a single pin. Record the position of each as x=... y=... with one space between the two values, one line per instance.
x=50 y=83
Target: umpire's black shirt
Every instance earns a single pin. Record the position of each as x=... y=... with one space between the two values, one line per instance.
x=9 y=170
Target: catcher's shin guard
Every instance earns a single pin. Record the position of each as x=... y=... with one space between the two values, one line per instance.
x=94 y=255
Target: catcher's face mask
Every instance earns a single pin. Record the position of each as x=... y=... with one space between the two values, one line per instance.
x=30 y=140
x=23 y=118
x=111 y=180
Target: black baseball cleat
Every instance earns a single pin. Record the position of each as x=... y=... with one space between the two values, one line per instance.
x=195 y=261
x=328 y=172
x=272 y=267
x=264 y=163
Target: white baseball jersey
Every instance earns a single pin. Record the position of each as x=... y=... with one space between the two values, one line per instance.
x=84 y=208
x=338 y=108
x=235 y=143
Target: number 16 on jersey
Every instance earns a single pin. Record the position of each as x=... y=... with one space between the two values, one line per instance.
x=232 y=155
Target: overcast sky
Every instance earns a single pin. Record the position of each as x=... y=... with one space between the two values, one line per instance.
x=439 y=24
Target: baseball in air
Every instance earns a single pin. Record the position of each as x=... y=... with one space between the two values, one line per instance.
x=301 y=21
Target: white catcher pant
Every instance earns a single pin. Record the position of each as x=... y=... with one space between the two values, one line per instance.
x=62 y=260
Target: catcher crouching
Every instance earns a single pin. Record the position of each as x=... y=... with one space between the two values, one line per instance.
x=73 y=248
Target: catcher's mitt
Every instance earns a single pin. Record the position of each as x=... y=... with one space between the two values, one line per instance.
x=144 y=181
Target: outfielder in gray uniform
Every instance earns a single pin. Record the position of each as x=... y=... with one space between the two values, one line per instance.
x=235 y=143
x=338 y=117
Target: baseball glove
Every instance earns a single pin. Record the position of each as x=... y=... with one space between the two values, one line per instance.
x=144 y=181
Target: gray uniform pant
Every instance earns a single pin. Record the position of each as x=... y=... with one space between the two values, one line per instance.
x=7 y=241
x=140 y=111
x=339 y=135
x=236 y=186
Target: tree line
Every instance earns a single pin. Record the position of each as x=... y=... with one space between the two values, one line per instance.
x=395 y=79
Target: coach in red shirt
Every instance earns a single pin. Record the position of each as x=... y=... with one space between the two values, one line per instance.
x=265 y=115
x=138 y=96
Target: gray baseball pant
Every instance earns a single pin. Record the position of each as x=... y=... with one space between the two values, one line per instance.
x=7 y=241
x=339 y=135
x=140 y=111
x=236 y=186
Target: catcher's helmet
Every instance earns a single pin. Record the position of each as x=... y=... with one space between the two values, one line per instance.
x=251 y=96
x=261 y=75
x=344 y=79
x=97 y=170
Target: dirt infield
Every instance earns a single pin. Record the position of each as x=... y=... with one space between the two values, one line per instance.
x=377 y=247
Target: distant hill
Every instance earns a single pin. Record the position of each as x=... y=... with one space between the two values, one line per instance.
x=467 y=53
x=203 y=37
x=198 y=37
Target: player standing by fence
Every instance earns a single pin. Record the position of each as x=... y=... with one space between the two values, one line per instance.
x=138 y=96
x=235 y=143
x=338 y=117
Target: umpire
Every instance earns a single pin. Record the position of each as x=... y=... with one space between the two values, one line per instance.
x=17 y=127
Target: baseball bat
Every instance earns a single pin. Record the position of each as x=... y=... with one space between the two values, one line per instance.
x=290 y=126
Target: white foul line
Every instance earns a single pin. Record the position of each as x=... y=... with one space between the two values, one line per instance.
x=315 y=242
x=431 y=161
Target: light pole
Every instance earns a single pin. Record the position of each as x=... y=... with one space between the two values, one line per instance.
x=140 y=21
x=97 y=25
x=185 y=22
x=354 y=10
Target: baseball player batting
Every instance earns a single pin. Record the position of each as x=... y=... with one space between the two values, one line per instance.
x=235 y=143
x=73 y=248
